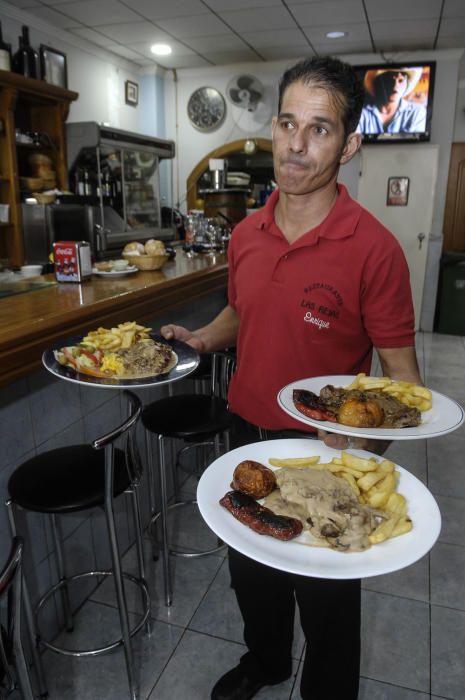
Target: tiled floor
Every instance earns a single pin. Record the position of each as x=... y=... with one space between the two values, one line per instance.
x=413 y=620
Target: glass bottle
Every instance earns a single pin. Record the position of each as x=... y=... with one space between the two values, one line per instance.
x=87 y=184
x=26 y=60
x=5 y=53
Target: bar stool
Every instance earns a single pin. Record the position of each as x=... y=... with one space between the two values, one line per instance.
x=78 y=478
x=11 y=648
x=199 y=420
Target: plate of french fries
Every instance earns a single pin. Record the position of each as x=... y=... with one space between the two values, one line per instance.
x=95 y=358
x=439 y=414
x=410 y=528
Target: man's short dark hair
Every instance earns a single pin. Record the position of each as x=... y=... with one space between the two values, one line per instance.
x=336 y=77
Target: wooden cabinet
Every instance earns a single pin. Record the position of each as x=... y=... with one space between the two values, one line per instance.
x=31 y=106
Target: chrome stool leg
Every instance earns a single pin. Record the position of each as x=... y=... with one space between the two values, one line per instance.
x=164 y=521
x=139 y=548
x=118 y=577
x=62 y=574
x=32 y=633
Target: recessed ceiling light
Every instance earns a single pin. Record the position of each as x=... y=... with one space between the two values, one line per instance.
x=336 y=35
x=161 y=49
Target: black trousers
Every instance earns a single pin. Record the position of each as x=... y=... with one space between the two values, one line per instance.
x=329 y=615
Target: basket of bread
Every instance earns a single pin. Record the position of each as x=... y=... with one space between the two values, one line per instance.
x=149 y=256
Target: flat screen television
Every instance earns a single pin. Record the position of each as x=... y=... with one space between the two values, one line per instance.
x=398 y=101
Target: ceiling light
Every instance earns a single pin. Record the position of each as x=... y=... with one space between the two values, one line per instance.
x=336 y=35
x=161 y=49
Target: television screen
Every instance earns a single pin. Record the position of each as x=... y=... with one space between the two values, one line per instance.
x=398 y=102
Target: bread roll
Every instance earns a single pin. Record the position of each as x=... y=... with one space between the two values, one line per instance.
x=134 y=248
x=154 y=247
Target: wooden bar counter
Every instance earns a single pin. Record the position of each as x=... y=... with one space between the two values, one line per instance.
x=30 y=322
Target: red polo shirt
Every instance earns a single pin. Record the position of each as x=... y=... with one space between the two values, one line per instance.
x=314 y=307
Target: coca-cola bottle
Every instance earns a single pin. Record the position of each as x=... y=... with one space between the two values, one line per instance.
x=5 y=53
x=26 y=60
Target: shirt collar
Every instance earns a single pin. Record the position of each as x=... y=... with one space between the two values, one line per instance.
x=339 y=223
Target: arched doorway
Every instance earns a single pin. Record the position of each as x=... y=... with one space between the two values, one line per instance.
x=258 y=163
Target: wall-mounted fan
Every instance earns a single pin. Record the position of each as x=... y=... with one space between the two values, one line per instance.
x=251 y=106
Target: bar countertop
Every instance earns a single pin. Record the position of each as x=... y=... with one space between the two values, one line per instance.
x=32 y=321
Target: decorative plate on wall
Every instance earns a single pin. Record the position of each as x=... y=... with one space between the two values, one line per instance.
x=206 y=109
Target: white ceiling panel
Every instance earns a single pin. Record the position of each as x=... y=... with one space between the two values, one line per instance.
x=379 y=10
x=329 y=12
x=95 y=12
x=257 y=19
x=162 y=9
x=286 y=37
x=47 y=14
x=133 y=32
x=216 y=32
x=216 y=42
x=195 y=25
x=224 y=5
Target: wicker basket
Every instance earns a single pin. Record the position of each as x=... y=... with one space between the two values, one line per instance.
x=31 y=183
x=146 y=262
x=43 y=198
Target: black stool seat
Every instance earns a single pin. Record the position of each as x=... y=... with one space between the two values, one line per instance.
x=187 y=416
x=66 y=480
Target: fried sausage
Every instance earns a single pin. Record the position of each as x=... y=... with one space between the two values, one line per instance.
x=254 y=479
x=260 y=519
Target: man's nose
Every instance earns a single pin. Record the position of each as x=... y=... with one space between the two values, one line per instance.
x=297 y=142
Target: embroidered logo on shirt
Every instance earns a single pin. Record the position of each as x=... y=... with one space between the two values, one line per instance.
x=322 y=307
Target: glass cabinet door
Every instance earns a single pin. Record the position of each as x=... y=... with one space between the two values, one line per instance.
x=141 y=188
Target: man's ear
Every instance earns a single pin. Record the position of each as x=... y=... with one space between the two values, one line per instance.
x=353 y=143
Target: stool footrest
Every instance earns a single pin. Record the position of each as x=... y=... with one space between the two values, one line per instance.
x=97 y=650
x=185 y=553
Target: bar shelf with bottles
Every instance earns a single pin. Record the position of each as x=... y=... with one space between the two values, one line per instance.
x=118 y=173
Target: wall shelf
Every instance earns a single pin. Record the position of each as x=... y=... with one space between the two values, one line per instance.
x=36 y=106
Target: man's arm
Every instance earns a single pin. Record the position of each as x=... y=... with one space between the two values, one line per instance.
x=400 y=363
x=219 y=334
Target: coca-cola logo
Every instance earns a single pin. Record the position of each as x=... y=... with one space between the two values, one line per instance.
x=64 y=251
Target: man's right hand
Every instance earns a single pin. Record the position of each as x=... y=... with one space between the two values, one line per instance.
x=171 y=332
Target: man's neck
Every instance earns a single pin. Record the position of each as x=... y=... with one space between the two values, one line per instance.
x=297 y=214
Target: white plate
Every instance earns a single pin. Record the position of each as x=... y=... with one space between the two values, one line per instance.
x=114 y=273
x=445 y=416
x=298 y=558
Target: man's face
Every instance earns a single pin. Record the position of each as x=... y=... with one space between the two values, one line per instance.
x=391 y=86
x=308 y=140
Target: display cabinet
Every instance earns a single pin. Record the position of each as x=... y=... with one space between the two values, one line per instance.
x=32 y=117
x=119 y=171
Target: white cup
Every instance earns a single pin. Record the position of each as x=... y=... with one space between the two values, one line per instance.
x=31 y=270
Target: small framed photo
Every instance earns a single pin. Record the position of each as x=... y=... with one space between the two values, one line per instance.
x=53 y=66
x=397 y=194
x=131 y=93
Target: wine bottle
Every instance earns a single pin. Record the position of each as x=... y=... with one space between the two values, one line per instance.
x=5 y=53
x=26 y=60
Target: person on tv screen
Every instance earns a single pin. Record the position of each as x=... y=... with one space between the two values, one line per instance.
x=386 y=109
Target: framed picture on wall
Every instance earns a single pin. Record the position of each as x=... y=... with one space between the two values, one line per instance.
x=397 y=192
x=53 y=66
x=131 y=93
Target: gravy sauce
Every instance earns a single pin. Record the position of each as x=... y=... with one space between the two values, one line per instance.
x=326 y=505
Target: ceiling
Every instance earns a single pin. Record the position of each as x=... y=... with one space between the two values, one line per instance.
x=218 y=32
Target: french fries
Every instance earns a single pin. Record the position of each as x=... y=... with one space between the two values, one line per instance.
x=122 y=336
x=409 y=393
x=374 y=483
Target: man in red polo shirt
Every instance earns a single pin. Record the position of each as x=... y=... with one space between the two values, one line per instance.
x=315 y=283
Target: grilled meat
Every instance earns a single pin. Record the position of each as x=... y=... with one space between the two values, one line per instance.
x=396 y=413
x=146 y=358
x=254 y=479
x=260 y=519
x=356 y=408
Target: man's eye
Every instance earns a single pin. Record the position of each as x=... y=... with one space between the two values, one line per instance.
x=321 y=131
x=287 y=124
